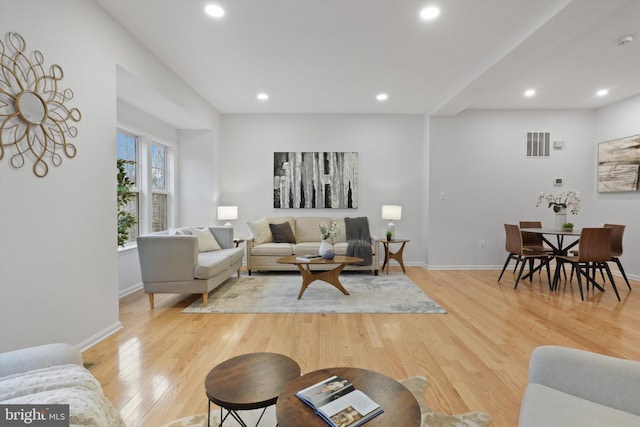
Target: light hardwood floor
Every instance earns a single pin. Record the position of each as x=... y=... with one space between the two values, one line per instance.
x=476 y=356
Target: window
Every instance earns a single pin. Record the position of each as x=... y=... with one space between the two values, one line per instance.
x=128 y=150
x=158 y=187
x=150 y=171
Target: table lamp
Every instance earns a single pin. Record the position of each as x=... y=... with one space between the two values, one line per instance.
x=391 y=212
x=226 y=213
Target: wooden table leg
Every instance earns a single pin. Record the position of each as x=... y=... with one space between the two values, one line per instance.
x=329 y=276
x=388 y=256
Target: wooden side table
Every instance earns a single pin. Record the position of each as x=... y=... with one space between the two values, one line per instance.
x=388 y=255
x=399 y=405
x=249 y=381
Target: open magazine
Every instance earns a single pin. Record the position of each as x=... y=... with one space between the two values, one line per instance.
x=339 y=403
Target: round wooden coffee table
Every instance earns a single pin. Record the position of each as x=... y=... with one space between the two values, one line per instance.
x=400 y=407
x=249 y=381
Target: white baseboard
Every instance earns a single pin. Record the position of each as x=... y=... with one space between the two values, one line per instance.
x=129 y=290
x=499 y=267
x=91 y=341
x=464 y=267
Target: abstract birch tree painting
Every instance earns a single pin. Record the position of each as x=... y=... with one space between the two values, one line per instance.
x=619 y=164
x=315 y=180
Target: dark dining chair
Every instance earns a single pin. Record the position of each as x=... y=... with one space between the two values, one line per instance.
x=516 y=251
x=617 y=232
x=595 y=252
x=533 y=241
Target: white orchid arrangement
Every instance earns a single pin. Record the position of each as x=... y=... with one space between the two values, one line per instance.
x=328 y=232
x=569 y=199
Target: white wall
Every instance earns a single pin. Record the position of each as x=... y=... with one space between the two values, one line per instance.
x=199 y=184
x=612 y=122
x=58 y=255
x=57 y=252
x=477 y=161
x=390 y=157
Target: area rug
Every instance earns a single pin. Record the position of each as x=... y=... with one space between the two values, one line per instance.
x=416 y=385
x=278 y=293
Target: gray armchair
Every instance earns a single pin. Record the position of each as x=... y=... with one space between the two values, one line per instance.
x=173 y=264
x=570 y=387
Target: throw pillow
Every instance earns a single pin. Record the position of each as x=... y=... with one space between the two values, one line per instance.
x=206 y=240
x=282 y=233
x=260 y=231
x=176 y=232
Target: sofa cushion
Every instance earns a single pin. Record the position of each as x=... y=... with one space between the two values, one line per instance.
x=546 y=406
x=308 y=229
x=206 y=240
x=282 y=233
x=260 y=231
x=211 y=264
x=279 y=220
x=306 y=248
x=341 y=248
x=273 y=249
x=234 y=254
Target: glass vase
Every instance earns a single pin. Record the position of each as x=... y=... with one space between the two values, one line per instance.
x=324 y=246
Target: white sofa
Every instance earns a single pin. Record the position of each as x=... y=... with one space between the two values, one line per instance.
x=53 y=374
x=576 y=388
x=177 y=261
x=262 y=252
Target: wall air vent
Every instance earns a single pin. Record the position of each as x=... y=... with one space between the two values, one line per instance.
x=538 y=145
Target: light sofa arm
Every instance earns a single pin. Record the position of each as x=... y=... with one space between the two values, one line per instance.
x=375 y=241
x=167 y=258
x=602 y=379
x=42 y=356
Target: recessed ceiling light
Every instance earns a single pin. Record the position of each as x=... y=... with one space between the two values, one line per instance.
x=602 y=92
x=529 y=93
x=214 y=10
x=430 y=12
x=382 y=97
x=263 y=96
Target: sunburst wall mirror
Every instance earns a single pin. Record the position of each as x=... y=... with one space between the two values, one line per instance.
x=34 y=118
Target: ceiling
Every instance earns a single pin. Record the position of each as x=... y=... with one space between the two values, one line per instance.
x=334 y=56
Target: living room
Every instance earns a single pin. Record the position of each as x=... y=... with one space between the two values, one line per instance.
x=459 y=177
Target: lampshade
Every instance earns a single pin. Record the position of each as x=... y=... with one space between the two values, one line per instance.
x=391 y=212
x=225 y=213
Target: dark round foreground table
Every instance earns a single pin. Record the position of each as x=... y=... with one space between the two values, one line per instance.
x=249 y=381
x=400 y=407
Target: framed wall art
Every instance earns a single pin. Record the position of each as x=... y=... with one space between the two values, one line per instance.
x=35 y=120
x=315 y=180
x=619 y=164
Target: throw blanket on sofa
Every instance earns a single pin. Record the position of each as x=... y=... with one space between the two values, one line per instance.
x=358 y=239
x=63 y=384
